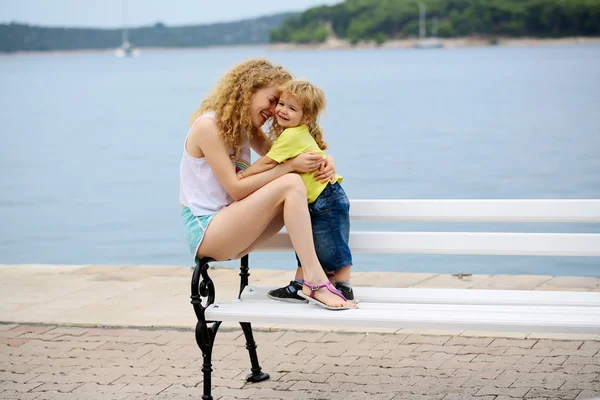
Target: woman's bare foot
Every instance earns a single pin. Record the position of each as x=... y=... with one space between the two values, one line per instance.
x=325 y=296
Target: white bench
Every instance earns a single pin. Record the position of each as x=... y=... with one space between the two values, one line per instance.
x=457 y=309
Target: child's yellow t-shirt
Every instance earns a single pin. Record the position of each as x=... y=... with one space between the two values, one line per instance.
x=293 y=142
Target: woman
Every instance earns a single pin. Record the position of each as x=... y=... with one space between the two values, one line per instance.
x=225 y=217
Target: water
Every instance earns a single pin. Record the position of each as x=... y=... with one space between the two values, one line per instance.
x=90 y=145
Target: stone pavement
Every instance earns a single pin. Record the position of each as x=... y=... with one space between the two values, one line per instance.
x=98 y=332
x=54 y=362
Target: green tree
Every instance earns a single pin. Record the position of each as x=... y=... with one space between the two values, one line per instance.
x=358 y=20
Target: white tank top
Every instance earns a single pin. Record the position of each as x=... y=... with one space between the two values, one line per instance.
x=199 y=188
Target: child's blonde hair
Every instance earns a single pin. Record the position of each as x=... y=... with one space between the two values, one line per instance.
x=313 y=100
x=230 y=99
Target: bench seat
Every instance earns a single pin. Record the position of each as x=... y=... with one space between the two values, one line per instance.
x=456 y=296
x=436 y=309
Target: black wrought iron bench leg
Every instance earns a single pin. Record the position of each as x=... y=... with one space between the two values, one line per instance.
x=205 y=338
x=205 y=330
x=257 y=374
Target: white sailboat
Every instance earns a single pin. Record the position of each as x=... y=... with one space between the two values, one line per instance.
x=424 y=42
x=126 y=49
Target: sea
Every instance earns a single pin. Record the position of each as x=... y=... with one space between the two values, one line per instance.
x=90 y=145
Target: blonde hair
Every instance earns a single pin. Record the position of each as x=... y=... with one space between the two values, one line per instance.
x=230 y=99
x=313 y=104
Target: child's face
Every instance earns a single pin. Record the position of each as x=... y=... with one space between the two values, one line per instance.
x=289 y=111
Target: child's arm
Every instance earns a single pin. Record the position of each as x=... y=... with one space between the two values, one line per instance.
x=261 y=165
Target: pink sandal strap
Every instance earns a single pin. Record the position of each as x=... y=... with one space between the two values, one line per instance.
x=327 y=285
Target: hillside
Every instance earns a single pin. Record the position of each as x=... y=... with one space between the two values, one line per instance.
x=21 y=37
x=381 y=20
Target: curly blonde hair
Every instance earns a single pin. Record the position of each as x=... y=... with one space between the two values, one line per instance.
x=230 y=99
x=313 y=104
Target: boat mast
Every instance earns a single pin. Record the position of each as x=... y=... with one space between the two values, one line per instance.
x=124 y=33
x=422 y=31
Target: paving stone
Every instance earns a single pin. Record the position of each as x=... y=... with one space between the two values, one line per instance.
x=14 y=395
x=589 y=352
x=524 y=343
x=57 y=387
x=469 y=341
x=589 y=369
x=7 y=327
x=38 y=329
x=398 y=386
x=417 y=396
x=397 y=349
x=362 y=396
x=549 y=382
x=590 y=345
x=498 y=391
x=460 y=396
x=147 y=389
x=588 y=394
x=18 y=367
x=19 y=386
x=582 y=360
x=493 y=351
x=426 y=339
x=583 y=382
x=301 y=376
x=17 y=378
x=566 y=369
x=546 y=393
x=12 y=341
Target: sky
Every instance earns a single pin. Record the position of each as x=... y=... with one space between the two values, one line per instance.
x=108 y=14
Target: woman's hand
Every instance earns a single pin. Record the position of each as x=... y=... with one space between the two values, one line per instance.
x=326 y=170
x=306 y=162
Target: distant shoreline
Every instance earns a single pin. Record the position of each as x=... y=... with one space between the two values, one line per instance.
x=331 y=44
x=334 y=44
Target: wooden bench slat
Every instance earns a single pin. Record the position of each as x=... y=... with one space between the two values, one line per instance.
x=443 y=210
x=482 y=243
x=457 y=296
x=416 y=316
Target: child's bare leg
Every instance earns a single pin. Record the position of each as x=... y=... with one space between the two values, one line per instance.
x=343 y=274
x=299 y=274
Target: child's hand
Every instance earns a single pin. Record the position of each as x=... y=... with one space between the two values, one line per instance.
x=239 y=175
x=306 y=162
x=326 y=171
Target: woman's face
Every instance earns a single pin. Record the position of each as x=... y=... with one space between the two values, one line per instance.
x=262 y=105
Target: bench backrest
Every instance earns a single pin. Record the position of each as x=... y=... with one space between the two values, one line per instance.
x=501 y=243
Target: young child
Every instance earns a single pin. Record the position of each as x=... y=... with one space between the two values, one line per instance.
x=297 y=131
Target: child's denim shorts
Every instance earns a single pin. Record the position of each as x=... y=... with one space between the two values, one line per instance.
x=330 y=220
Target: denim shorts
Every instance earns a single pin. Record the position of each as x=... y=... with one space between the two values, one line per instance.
x=194 y=227
x=330 y=220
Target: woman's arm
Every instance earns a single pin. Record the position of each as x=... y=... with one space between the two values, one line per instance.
x=206 y=135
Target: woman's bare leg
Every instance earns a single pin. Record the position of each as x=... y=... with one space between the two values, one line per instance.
x=237 y=227
x=274 y=226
